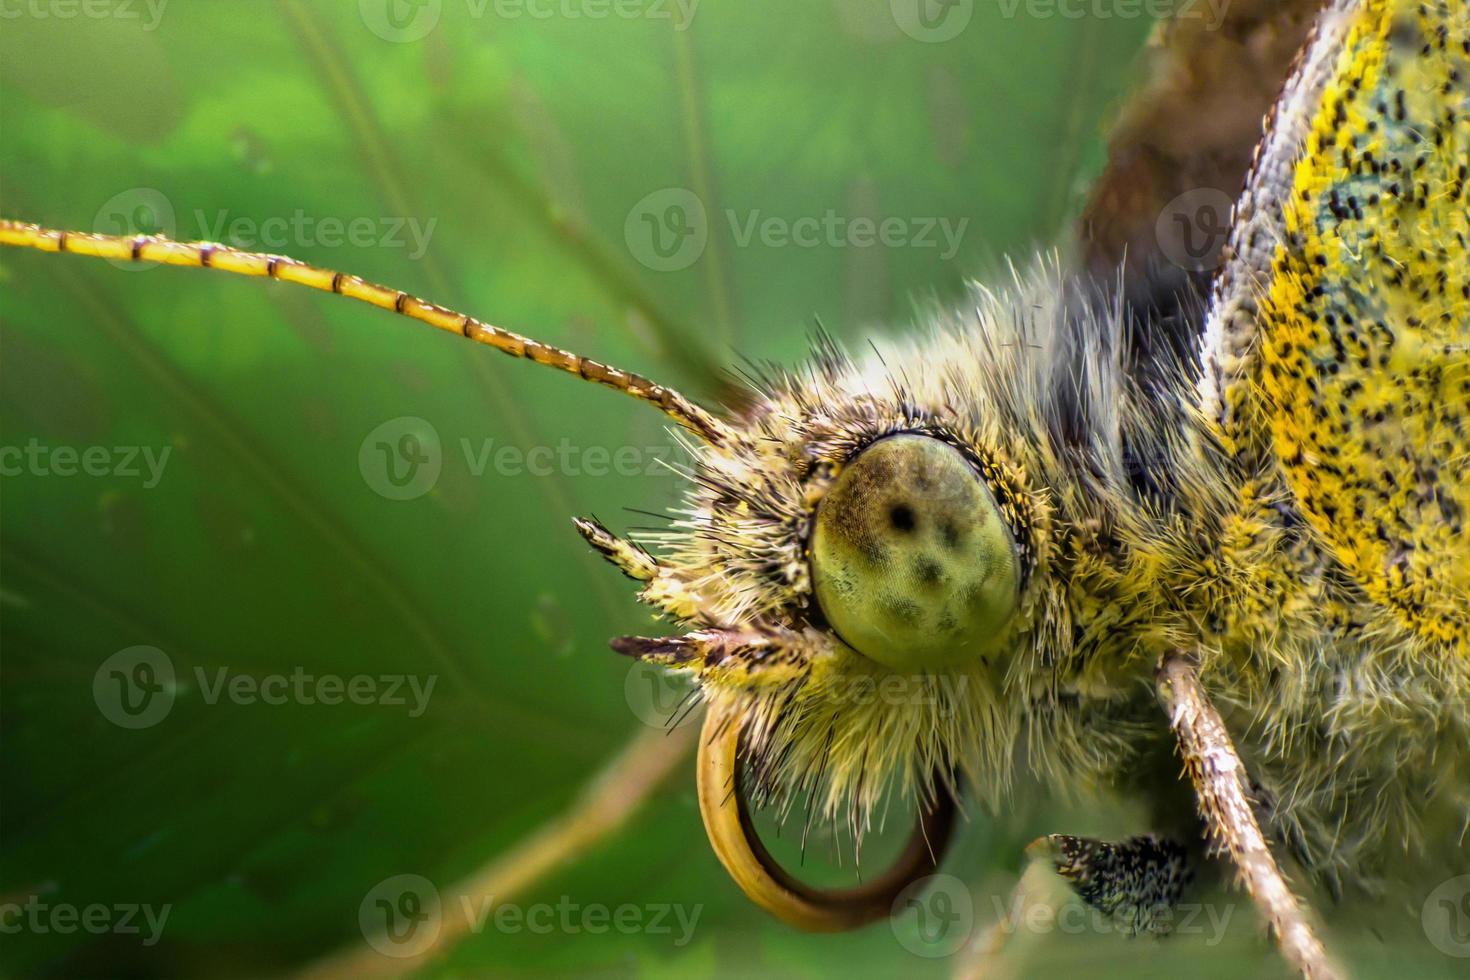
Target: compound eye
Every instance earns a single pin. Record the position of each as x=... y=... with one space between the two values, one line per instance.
x=912 y=562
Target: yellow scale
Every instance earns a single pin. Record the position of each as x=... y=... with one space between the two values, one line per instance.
x=1364 y=329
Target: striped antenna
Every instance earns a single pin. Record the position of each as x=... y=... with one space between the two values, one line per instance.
x=211 y=255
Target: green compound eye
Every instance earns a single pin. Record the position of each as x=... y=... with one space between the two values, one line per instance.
x=912 y=562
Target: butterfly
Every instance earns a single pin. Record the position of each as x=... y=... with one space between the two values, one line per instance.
x=1087 y=520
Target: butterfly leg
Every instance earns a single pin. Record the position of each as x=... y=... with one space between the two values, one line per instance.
x=1220 y=785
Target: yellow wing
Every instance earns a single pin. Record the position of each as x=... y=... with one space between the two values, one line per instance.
x=1364 y=326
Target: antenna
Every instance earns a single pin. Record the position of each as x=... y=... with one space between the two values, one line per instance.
x=212 y=255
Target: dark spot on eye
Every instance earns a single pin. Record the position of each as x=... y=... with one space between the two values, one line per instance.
x=904 y=611
x=901 y=516
x=927 y=571
x=949 y=531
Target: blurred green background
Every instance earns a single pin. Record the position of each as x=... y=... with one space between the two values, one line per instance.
x=513 y=160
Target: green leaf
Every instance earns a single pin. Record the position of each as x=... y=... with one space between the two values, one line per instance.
x=494 y=165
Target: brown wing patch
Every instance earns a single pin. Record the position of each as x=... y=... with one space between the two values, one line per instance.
x=1190 y=126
